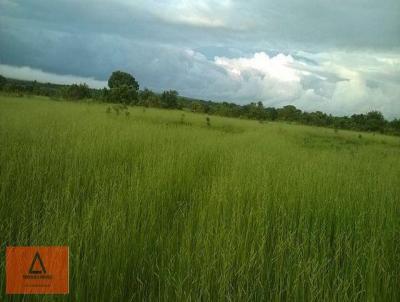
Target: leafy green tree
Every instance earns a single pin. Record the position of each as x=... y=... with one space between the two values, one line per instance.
x=100 y=94
x=198 y=107
x=260 y=112
x=289 y=113
x=3 y=81
x=148 y=98
x=119 y=79
x=123 y=94
x=123 y=88
x=271 y=113
x=395 y=126
x=318 y=118
x=13 y=87
x=375 y=121
x=146 y=94
x=77 y=92
x=359 y=122
x=254 y=111
x=229 y=109
x=169 y=99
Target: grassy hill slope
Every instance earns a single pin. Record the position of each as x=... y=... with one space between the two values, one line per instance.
x=155 y=205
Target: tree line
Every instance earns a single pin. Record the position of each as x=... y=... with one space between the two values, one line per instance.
x=123 y=88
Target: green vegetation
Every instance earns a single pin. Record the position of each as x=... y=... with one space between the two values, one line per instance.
x=124 y=89
x=76 y=92
x=160 y=205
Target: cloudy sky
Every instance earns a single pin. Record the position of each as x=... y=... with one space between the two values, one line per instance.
x=340 y=57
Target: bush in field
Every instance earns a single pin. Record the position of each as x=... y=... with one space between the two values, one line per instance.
x=10 y=87
x=169 y=99
x=3 y=81
x=77 y=92
x=146 y=94
x=148 y=98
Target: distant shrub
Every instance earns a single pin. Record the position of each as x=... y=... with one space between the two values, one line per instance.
x=76 y=92
x=169 y=99
x=3 y=81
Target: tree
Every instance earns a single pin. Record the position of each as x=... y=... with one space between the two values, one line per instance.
x=229 y=109
x=120 y=78
x=316 y=118
x=123 y=94
x=77 y=92
x=123 y=88
x=146 y=94
x=375 y=121
x=395 y=125
x=169 y=99
x=3 y=81
x=289 y=113
x=261 y=115
x=359 y=121
x=271 y=113
x=196 y=107
x=148 y=98
x=13 y=87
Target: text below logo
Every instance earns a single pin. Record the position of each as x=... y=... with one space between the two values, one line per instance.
x=37 y=270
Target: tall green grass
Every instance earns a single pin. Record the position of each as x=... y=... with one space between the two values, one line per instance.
x=156 y=209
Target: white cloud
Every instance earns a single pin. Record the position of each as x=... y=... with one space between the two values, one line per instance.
x=336 y=82
x=277 y=67
x=261 y=77
x=28 y=73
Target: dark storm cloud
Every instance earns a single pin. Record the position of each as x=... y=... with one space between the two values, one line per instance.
x=350 y=24
x=346 y=49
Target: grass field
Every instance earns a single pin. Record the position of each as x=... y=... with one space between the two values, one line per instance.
x=156 y=206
